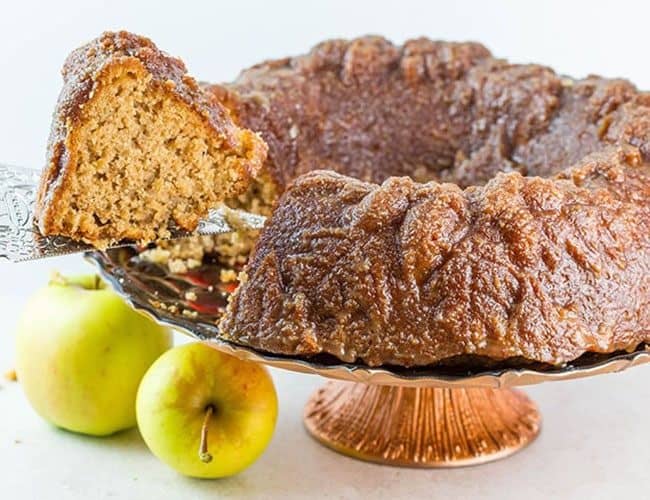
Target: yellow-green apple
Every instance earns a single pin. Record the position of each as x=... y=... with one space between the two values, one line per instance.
x=81 y=352
x=205 y=413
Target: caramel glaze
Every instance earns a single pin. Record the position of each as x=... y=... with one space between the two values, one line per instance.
x=531 y=242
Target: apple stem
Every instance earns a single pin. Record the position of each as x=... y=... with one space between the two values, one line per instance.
x=204 y=455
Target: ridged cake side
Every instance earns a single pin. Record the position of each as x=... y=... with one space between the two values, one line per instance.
x=408 y=274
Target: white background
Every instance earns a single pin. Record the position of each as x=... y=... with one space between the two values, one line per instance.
x=595 y=438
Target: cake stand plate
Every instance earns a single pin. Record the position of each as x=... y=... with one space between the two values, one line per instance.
x=402 y=417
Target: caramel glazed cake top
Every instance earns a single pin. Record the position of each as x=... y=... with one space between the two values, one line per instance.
x=531 y=243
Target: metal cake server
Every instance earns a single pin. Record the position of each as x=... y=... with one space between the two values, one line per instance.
x=20 y=239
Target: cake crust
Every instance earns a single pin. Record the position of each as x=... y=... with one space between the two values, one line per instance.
x=88 y=72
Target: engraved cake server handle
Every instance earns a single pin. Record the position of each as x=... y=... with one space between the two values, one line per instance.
x=20 y=239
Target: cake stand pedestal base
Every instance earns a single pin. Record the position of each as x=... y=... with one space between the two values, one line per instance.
x=421 y=427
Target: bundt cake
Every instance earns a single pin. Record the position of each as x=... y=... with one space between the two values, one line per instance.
x=528 y=242
x=474 y=212
x=137 y=146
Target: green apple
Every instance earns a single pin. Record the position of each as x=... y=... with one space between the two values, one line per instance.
x=205 y=413
x=81 y=352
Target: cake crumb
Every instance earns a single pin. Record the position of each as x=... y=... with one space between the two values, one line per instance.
x=231 y=249
x=156 y=303
x=227 y=275
x=171 y=308
x=11 y=375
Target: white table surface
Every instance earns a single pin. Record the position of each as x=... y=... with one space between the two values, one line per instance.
x=595 y=437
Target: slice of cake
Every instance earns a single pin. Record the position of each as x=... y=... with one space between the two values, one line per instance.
x=137 y=146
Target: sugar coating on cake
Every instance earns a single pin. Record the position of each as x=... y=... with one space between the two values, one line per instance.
x=137 y=146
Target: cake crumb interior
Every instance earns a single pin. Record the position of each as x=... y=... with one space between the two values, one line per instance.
x=144 y=159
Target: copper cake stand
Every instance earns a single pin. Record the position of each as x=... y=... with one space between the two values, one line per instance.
x=415 y=418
